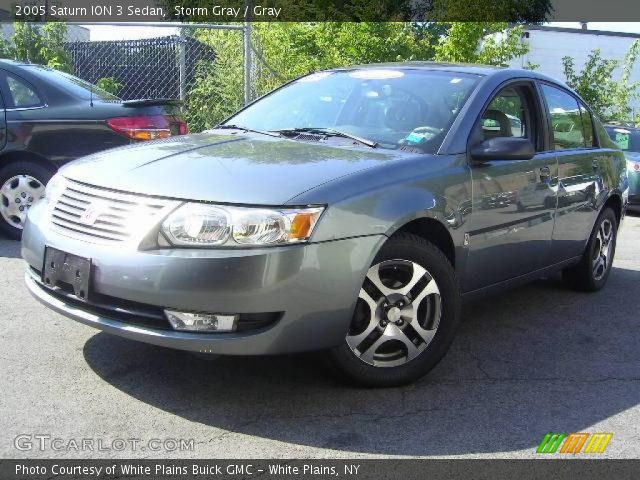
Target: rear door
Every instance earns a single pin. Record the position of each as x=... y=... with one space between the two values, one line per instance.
x=514 y=201
x=580 y=167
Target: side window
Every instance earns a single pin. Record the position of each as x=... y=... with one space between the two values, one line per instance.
x=507 y=115
x=22 y=95
x=566 y=119
x=587 y=126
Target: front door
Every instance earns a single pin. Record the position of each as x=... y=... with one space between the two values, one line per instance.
x=514 y=201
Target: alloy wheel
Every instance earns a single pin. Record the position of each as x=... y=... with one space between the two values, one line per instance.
x=17 y=195
x=601 y=257
x=397 y=314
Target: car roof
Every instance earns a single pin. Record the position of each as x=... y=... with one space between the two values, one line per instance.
x=425 y=65
x=623 y=127
x=20 y=65
x=6 y=62
x=469 y=68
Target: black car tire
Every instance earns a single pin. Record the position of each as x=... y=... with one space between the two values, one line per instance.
x=411 y=248
x=39 y=172
x=583 y=275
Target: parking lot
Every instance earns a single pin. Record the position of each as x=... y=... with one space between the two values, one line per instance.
x=535 y=360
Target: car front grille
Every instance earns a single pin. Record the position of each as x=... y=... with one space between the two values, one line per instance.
x=106 y=216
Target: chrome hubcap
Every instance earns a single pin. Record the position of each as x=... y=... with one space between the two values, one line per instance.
x=397 y=314
x=601 y=258
x=16 y=197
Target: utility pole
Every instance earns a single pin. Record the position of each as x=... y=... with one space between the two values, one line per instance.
x=182 y=63
x=246 y=37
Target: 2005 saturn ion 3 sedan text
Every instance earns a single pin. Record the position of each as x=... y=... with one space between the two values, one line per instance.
x=351 y=210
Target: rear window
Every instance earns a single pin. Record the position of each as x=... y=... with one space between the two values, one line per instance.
x=22 y=94
x=627 y=139
x=75 y=86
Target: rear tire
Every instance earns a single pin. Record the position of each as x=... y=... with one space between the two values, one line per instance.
x=406 y=315
x=591 y=274
x=22 y=184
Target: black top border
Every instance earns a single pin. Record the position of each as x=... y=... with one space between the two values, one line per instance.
x=222 y=11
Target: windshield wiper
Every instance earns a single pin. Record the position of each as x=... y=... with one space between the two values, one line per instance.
x=238 y=127
x=331 y=132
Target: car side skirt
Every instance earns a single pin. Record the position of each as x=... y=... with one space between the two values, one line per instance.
x=518 y=281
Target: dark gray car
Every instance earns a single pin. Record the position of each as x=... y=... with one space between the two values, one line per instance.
x=351 y=210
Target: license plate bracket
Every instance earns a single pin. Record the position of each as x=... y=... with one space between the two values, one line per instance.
x=63 y=267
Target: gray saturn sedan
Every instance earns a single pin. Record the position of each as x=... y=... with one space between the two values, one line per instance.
x=351 y=210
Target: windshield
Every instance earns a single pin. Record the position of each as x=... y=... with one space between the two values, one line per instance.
x=626 y=138
x=75 y=86
x=390 y=107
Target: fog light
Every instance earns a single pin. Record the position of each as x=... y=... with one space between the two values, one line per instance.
x=201 y=322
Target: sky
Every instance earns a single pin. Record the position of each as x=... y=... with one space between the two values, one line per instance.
x=107 y=32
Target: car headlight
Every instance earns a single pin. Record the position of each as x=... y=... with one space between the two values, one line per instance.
x=54 y=189
x=199 y=224
x=633 y=166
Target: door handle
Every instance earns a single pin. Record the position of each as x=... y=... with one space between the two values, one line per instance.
x=545 y=174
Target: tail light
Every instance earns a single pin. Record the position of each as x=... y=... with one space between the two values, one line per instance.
x=183 y=128
x=149 y=127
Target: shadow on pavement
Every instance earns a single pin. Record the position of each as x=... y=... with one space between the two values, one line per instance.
x=535 y=360
x=9 y=248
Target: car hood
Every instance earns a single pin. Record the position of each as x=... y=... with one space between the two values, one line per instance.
x=228 y=168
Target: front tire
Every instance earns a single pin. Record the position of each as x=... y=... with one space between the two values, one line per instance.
x=591 y=274
x=22 y=184
x=406 y=315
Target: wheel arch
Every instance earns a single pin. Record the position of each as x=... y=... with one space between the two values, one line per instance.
x=615 y=202
x=433 y=231
x=14 y=156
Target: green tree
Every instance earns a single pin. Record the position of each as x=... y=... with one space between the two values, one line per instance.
x=627 y=90
x=109 y=85
x=594 y=82
x=489 y=43
x=608 y=97
x=512 y=11
x=41 y=44
x=218 y=88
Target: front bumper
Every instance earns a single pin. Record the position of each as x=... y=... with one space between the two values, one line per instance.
x=311 y=289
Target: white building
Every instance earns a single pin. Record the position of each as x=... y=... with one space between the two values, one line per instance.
x=548 y=45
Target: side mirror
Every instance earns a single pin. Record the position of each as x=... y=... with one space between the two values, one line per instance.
x=503 y=148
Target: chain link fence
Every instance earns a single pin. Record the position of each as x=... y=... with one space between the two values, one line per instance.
x=174 y=62
x=163 y=67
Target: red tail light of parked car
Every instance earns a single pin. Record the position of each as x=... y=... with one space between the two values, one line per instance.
x=150 y=127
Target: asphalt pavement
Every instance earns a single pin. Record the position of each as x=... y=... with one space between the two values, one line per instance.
x=538 y=359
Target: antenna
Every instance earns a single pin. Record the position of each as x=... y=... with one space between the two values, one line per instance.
x=91 y=87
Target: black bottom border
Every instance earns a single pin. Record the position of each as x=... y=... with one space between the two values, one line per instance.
x=131 y=469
